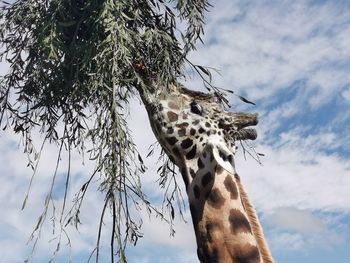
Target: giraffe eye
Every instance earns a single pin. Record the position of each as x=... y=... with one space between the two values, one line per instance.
x=196 y=108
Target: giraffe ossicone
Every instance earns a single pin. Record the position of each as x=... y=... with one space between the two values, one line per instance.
x=199 y=136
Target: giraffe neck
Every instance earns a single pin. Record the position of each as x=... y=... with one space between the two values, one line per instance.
x=226 y=227
x=255 y=224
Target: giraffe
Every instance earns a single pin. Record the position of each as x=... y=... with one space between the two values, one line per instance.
x=199 y=136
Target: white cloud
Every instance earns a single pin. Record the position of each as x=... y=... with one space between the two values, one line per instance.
x=346 y=94
x=302 y=230
x=297 y=177
x=290 y=218
x=328 y=83
x=302 y=139
x=288 y=241
x=157 y=232
x=262 y=49
x=17 y=225
x=304 y=243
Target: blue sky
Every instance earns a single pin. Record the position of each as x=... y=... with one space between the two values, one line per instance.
x=292 y=58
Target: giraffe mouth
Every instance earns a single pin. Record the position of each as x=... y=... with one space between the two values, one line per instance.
x=245 y=134
x=243 y=120
x=237 y=125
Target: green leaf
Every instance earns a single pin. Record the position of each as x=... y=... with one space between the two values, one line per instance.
x=140 y=159
x=24 y=202
x=205 y=71
x=245 y=100
x=172 y=212
x=150 y=153
x=38 y=223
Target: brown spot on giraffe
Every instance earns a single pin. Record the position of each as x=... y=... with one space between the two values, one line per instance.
x=191 y=154
x=187 y=143
x=174 y=106
x=219 y=170
x=182 y=125
x=247 y=254
x=170 y=130
x=201 y=130
x=206 y=179
x=239 y=222
x=231 y=187
x=181 y=132
x=222 y=156
x=215 y=198
x=212 y=228
x=230 y=158
x=172 y=116
x=194 y=123
x=193 y=131
x=171 y=140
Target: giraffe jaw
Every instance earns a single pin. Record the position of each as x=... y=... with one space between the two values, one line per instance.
x=243 y=120
x=246 y=134
x=236 y=125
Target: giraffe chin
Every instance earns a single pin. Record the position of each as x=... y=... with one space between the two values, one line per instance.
x=245 y=134
x=236 y=125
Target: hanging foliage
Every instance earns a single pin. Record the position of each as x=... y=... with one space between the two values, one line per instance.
x=74 y=65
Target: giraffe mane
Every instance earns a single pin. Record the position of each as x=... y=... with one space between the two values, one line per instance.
x=255 y=223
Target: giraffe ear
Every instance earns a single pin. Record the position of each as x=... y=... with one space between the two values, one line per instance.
x=223 y=156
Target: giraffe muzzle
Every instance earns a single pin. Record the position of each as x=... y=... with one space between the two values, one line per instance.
x=235 y=124
x=243 y=120
x=245 y=134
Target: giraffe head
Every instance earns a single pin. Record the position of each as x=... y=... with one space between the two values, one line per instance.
x=187 y=122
